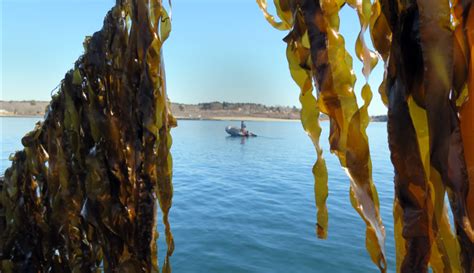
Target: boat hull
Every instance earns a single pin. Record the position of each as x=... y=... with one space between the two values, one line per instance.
x=236 y=132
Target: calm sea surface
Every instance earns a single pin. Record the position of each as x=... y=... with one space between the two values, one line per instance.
x=247 y=205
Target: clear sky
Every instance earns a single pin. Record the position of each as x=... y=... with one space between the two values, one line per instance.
x=219 y=50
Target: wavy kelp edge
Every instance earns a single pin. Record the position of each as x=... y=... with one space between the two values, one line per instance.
x=426 y=80
x=313 y=44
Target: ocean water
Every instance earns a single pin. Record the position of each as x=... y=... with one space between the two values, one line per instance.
x=247 y=205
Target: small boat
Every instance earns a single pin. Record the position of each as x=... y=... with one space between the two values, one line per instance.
x=237 y=132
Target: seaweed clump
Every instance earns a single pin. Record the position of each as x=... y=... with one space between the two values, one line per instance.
x=427 y=48
x=82 y=194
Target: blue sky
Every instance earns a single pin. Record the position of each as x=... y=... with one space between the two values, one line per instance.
x=219 y=50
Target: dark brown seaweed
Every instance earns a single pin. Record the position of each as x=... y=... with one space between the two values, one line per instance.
x=82 y=195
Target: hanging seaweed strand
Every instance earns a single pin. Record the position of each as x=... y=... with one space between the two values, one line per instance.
x=425 y=80
x=426 y=47
x=82 y=195
x=314 y=46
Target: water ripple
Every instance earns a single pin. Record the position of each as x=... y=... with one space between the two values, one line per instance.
x=248 y=205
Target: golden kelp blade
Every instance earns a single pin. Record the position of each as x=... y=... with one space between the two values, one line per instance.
x=82 y=195
x=446 y=146
x=464 y=61
x=299 y=62
x=413 y=211
x=381 y=38
x=314 y=47
x=285 y=24
x=467 y=115
x=418 y=83
x=445 y=250
x=349 y=141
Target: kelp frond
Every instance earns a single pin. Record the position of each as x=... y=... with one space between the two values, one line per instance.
x=82 y=194
x=426 y=47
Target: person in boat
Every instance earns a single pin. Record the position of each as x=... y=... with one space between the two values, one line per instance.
x=243 y=128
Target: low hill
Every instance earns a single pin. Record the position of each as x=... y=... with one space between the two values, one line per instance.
x=211 y=110
x=208 y=110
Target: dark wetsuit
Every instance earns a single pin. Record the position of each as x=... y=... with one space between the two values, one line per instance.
x=243 y=127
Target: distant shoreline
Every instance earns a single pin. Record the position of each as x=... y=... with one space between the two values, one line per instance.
x=240 y=119
x=183 y=118
x=207 y=119
x=21 y=116
x=203 y=111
